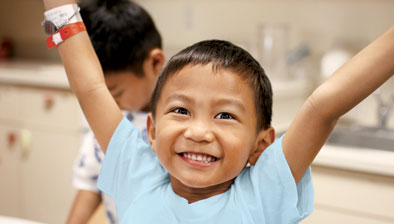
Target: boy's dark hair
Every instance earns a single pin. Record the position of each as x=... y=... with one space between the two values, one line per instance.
x=122 y=34
x=223 y=54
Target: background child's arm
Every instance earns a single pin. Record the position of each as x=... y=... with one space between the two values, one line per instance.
x=84 y=206
x=347 y=87
x=87 y=82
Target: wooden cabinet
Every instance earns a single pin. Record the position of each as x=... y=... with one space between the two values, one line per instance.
x=344 y=196
x=40 y=134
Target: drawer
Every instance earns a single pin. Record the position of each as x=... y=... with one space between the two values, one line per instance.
x=50 y=108
x=45 y=108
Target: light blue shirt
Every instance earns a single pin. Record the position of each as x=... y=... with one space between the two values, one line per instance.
x=141 y=188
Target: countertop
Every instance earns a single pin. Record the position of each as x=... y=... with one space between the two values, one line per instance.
x=363 y=160
x=40 y=74
x=14 y=220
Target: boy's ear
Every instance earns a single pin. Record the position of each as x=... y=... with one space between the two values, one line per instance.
x=157 y=59
x=264 y=139
x=151 y=131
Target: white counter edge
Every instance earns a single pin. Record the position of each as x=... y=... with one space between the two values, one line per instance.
x=363 y=160
x=34 y=74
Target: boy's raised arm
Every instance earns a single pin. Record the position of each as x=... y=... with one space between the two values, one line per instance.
x=87 y=82
x=347 y=87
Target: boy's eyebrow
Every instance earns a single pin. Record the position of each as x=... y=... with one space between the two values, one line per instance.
x=180 y=97
x=235 y=102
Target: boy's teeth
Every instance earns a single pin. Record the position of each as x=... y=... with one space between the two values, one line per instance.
x=198 y=157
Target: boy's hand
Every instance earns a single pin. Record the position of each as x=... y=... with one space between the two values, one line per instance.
x=87 y=82
x=49 y=4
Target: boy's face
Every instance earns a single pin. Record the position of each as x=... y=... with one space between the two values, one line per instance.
x=133 y=93
x=205 y=126
x=130 y=92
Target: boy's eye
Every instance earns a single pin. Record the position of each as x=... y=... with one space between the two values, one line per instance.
x=224 y=115
x=117 y=94
x=180 y=110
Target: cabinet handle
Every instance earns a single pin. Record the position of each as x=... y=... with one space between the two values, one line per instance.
x=49 y=101
x=26 y=139
x=11 y=139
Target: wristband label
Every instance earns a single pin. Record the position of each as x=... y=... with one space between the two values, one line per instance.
x=66 y=13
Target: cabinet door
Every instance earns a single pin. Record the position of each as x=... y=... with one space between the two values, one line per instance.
x=46 y=175
x=10 y=181
x=343 y=196
x=35 y=171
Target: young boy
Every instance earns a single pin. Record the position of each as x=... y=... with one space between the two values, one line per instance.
x=210 y=116
x=131 y=57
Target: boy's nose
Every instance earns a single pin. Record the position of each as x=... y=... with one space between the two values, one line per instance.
x=199 y=132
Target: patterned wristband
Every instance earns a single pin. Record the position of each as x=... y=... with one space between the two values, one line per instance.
x=65 y=33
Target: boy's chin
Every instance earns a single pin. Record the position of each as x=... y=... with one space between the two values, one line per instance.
x=199 y=184
x=190 y=182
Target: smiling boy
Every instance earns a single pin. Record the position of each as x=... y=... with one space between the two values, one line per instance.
x=211 y=114
x=205 y=139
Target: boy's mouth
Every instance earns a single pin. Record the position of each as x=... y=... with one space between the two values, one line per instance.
x=198 y=157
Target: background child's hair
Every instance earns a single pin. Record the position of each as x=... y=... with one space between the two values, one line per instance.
x=122 y=34
x=223 y=54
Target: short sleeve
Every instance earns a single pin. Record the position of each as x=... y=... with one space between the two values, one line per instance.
x=271 y=182
x=130 y=168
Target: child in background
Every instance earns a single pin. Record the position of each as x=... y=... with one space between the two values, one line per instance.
x=128 y=46
x=211 y=112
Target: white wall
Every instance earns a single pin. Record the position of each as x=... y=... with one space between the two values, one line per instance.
x=316 y=22
x=183 y=22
